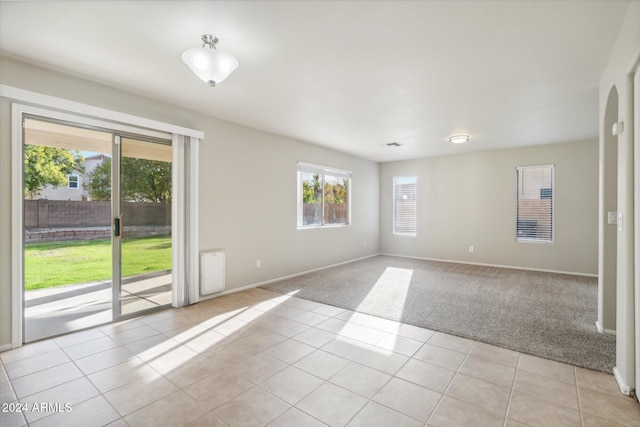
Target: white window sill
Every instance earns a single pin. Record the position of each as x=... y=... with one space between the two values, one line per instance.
x=549 y=242
x=313 y=227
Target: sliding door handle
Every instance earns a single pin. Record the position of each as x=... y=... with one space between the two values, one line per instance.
x=117 y=227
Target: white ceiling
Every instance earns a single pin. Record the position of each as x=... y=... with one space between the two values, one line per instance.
x=349 y=75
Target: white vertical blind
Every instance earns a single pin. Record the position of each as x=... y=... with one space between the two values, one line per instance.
x=534 y=203
x=405 y=205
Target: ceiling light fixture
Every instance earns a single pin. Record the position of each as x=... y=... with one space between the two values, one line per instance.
x=458 y=139
x=208 y=63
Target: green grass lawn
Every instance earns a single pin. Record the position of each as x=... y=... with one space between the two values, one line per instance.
x=79 y=261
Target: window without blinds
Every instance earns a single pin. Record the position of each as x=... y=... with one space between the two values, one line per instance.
x=323 y=196
x=534 y=203
x=73 y=181
x=405 y=205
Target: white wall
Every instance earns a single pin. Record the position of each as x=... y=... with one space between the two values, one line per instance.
x=247 y=187
x=469 y=199
x=618 y=74
x=260 y=221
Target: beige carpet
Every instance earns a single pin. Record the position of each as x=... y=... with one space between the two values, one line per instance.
x=544 y=314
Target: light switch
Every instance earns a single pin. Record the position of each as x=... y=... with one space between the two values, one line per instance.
x=612 y=217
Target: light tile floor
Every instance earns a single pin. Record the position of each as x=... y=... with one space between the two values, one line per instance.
x=63 y=309
x=259 y=358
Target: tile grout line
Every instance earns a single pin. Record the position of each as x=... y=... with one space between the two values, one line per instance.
x=575 y=378
x=11 y=387
x=443 y=394
x=513 y=383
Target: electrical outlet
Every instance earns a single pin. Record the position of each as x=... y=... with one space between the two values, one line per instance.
x=471 y=249
x=258 y=263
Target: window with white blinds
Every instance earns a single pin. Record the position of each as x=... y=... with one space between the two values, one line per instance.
x=405 y=205
x=534 y=203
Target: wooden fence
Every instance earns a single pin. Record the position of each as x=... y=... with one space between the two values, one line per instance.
x=335 y=213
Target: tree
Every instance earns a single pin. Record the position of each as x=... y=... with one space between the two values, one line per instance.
x=98 y=183
x=335 y=191
x=145 y=180
x=141 y=180
x=47 y=166
x=312 y=190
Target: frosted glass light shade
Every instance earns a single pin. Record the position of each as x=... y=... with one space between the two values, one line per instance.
x=210 y=64
x=459 y=139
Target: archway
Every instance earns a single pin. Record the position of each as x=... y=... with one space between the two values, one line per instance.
x=607 y=248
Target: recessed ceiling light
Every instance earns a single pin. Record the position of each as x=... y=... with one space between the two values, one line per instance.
x=458 y=139
x=394 y=144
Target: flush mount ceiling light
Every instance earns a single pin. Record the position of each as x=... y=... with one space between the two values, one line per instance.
x=458 y=139
x=208 y=63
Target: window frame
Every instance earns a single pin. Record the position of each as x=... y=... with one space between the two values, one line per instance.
x=393 y=224
x=186 y=141
x=303 y=167
x=552 y=197
x=77 y=182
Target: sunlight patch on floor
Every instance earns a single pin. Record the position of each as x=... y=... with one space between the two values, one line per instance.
x=211 y=332
x=390 y=289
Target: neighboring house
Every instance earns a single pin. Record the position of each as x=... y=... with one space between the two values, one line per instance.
x=74 y=189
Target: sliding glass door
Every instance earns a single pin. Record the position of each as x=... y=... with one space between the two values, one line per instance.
x=97 y=226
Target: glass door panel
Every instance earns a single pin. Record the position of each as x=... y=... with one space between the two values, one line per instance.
x=67 y=228
x=144 y=257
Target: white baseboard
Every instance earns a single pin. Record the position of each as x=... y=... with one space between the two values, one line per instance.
x=226 y=292
x=511 y=267
x=624 y=387
x=277 y=279
x=5 y=347
x=603 y=330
